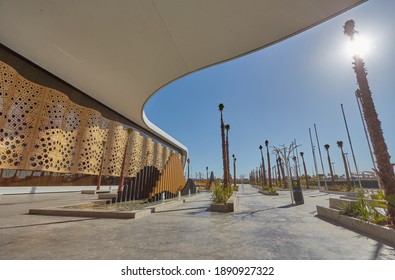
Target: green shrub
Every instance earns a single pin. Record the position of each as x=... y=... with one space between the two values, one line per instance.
x=221 y=194
x=338 y=188
x=372 y=210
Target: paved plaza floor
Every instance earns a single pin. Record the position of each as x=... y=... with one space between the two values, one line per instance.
x=264 y=227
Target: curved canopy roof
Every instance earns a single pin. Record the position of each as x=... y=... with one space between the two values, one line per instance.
x=121 y=52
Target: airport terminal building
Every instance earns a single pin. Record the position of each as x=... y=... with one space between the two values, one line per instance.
x=75 y=76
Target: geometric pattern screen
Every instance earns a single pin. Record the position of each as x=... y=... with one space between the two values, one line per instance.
x=42 y=130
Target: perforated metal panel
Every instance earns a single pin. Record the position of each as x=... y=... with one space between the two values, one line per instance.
x=41 y=129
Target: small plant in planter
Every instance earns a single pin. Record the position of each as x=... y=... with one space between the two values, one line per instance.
x=221 y=194
x=339 y=188
x=272 y=189
x=268 y=190
x=372 y=210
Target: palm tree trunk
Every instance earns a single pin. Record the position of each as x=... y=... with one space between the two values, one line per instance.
x=278 y=173
x=282 y=173
x=224 y=151
x=263 y=170
x=385 y=169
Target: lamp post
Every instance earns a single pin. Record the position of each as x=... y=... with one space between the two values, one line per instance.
x=385 y=170
x=352 y=150
x=263 y=166
x=319 y=152
x=188 y=161
x=305 y=170
x=268 y=163
x=315 y=161
x=327 y=146
x=234 y=170
x=333 y=167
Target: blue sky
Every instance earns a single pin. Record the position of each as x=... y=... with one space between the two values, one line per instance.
x=279 y=92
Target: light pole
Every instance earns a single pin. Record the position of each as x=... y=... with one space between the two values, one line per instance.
x=263 y=166
x=352 y=150
x=349 y=168
x=367 y=138
x=188 y=161
x=234 y=170
x=327 y=146
x=268 y=163
x=315 y=161
x=319 y=151
x=385 y=169
x=333 y=167
x=305 y=170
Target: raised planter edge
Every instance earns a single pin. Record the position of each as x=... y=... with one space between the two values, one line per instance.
x=377 y=231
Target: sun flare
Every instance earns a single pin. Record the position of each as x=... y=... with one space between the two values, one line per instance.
x=360 y=46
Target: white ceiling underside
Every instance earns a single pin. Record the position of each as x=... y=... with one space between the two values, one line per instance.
x=121 y=52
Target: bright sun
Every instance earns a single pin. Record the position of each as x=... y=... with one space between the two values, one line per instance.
x=359 y=46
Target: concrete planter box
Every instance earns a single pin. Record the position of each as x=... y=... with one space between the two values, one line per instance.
x=100 y=213
x=90 y=213
x=380 y=232
x=93 y=192
x=339 y=203
x=230 y=206
x=352 y=194
x=164 y=206
x=267 y=192
x=110 y=196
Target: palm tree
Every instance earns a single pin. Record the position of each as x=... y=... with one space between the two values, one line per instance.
x=122 y=175
x=269 y=173
x=385 y=169
x=326 y=146
x=227 y=127
x=221 y=108
x=263 y=166
x=340 y=145
x=278 y=173
x=305 y=170
x=104 y=143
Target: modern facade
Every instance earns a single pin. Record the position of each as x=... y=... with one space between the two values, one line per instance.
x=75 y=75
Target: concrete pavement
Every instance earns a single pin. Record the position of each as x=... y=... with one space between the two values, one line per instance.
x=265 y=227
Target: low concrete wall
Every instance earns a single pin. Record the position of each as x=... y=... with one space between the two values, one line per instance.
x=100 y=213
x=384 y=233
x=352 y=194
x=267 y=192
x=43 y=189
x=231 y=205
x=340 y=203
